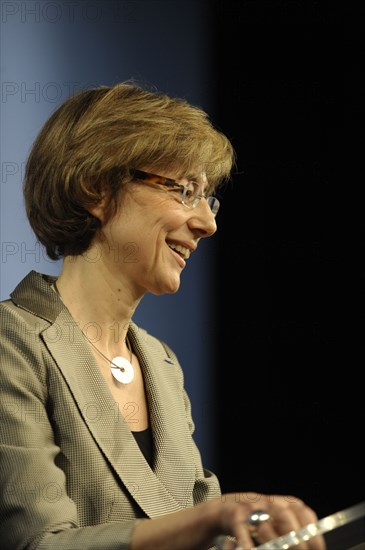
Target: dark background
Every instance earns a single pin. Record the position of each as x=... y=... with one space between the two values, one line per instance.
x=289 y=388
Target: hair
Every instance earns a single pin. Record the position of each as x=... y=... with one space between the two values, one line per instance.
x=87 y=149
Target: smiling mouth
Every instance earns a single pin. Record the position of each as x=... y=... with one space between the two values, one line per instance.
x=181 y=250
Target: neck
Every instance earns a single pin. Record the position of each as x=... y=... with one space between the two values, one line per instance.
x=101 y=307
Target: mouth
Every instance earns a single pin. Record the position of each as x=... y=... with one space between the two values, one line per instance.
x=183 y=252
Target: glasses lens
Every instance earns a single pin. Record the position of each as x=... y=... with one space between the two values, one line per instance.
x=213 y=204
x=191 y=194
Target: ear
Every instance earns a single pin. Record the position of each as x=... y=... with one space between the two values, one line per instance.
x=98 y=210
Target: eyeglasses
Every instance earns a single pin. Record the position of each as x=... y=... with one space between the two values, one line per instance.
x=190 y=194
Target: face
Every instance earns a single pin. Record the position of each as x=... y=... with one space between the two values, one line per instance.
x=147 y=244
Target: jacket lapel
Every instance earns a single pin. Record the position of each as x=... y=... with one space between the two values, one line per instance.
x=174 y=454
x=155 y=491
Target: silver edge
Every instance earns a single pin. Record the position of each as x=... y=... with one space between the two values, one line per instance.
x=311 y=530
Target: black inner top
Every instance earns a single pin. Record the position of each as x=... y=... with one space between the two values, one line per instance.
x=145 y=443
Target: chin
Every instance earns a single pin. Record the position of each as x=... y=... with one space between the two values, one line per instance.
x=167 y=289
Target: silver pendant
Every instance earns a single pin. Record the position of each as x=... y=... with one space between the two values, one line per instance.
x=122 y=370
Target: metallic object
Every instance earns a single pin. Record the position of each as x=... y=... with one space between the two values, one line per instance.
x=256 y=517
x=320 y=527
x=309 y=531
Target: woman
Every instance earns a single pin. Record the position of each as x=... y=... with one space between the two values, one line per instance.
x=96 y=428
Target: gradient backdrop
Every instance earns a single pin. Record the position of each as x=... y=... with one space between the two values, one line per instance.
x=259 y=321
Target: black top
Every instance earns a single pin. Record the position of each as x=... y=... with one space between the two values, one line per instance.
x=144 y=440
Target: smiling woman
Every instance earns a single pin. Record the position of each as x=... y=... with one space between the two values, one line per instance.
x=97 y=442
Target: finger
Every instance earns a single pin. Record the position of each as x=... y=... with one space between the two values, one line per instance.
x=299 y=516
x=243 y=536
x=223 y=542
x=286 y=522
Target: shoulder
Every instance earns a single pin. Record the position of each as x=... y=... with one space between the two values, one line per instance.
x=22 y=323
x=15 y=319
x=143 y=337
x=32 y=302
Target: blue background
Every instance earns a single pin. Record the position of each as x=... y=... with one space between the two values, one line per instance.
x=52 y=49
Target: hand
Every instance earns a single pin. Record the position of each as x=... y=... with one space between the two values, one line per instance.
x=283 y=515
x=223 y=520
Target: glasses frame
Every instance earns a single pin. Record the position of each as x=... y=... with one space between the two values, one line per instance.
x=213 y=202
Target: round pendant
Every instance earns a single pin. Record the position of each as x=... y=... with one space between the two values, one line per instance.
x=122 y=370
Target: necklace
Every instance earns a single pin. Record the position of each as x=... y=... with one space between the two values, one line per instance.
x=121 y=368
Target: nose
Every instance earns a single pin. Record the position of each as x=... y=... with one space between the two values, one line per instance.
x=202 y=220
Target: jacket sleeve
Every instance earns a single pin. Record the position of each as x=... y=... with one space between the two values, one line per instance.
x=35 y=509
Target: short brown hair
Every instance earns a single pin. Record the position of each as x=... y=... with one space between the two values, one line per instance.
x=92 y=142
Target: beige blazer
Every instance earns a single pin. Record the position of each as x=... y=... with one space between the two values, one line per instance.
x=71 y=473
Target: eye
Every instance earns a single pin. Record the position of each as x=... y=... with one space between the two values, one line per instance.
x=191 y=189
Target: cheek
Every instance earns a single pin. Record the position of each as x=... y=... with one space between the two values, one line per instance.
x=161 y=210
x=162 y=221
x=174 y=217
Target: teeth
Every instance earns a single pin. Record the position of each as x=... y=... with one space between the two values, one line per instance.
x=184 y=252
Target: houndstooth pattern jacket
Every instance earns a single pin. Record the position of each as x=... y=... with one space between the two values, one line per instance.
x=71 y=473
